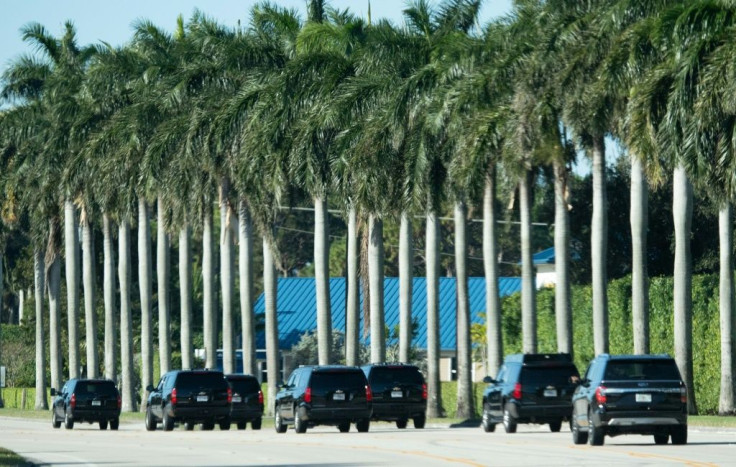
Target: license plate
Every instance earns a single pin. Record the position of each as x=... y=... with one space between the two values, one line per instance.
x=550 y=393
x=237 y=399
x=202 y=398
x=397 y=394
x=643 y=398
x=96 y=403
x=338 y=396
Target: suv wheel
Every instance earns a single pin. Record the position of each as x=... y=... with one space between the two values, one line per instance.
x=54 y=422
x=225 y=424
x=679 y=435
x=555 y=426
x=189 y=426
x=241 y=425
x=208 y=426
x=596 y=436
x=150 y=422
x=661 y=438
x=103 y=424
x=488 y=427
x=114 y=424
x=168 y=422
x=419 y=422
x=344 y=427
x=509 y=422
x=364 y=425
x=278 y=423
x=299 y=425
x=401 y=423
x=255 y=423
x=578 y=437
x=68 y=421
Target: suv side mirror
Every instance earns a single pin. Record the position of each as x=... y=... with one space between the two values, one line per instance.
x=489 y=380
x=53 y=392
x=150 y=388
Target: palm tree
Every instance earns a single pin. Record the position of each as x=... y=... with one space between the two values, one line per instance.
x=126 y=325
x=38 y=267
x=163 y=270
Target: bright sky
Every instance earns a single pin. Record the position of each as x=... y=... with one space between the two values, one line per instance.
x=111 y=21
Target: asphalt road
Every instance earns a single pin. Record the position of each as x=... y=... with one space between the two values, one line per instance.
x=325 y=446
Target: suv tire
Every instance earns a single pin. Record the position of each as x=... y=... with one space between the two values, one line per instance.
x=578 y=437
x=114 y=424
x=278 y=423
x=189 y=426
x=299 y=425
x=224 y=425
x=208 y=426
x=509 y=422
x=344 y=427
x=596 y=436
x=488 y=427
x=255 y=423
x=54 y=422
x=555 y=426
x=661 y=438
x=103 y=424
x=364 y=425
x=241 y=425
x=68 y=421
x=150 y=422
x=679 y=435
x=419 y=422
x=168 y=422
x=401 y=423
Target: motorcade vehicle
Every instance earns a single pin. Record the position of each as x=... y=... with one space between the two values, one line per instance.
x=324 y=395
x=86 y=400
x=399 y=393
x=190 y=397
x=247 y=401
x=530 y=388
x=630 y=394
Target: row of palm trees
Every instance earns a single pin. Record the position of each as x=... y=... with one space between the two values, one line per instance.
x=384 y=121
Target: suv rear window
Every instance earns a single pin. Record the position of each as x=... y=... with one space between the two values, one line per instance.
x=95 y=387
x=326 y=380
x=244 y=386
x=197 y=380
x=543 y=375
x=382 y=378
x=625 y=370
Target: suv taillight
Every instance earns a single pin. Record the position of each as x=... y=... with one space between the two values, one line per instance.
x=260 y=397
x=73 y=401
x=120 y=402
x=308 y=395
x=517 y=391
x=424 y=391
x=229 y=396
x=600 y=395
x=368 y=393
x=173 y=396
x=683 y=394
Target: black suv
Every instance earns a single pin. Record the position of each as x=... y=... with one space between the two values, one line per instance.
x=399 y=393
x=86 y=400
x=630 y=394
x=190 y=396
x=247 y=401
x=324 y=395
x=531 y=388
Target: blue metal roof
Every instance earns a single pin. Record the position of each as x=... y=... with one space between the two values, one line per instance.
x=545 y=256
x=297 y=309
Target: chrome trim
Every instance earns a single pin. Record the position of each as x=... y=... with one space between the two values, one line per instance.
x=643 y=421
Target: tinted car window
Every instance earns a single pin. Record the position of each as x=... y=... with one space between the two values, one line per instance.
x=626 y=370
x=96 y=388
x=381 y=378
x=196 y=380
x=554 y=375
x=244 y=386
x=323 y=381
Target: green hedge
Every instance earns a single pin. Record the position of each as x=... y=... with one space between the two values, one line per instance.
x=706 y=327
x=13 y=398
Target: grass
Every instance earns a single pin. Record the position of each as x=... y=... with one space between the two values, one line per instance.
x=9 y=458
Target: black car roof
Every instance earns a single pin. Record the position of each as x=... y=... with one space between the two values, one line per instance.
x=236 y=376
x=538 y=358
x=636 y=357
x=330 y=367
x=390 y=365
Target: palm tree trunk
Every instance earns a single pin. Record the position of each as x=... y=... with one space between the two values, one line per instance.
x=406 y=279
x=639 y=278
x=465 y=405
x=682 y=209
x=126 y=322
x=208 y=290
x=599 y=248
x=563 y=307
x=494 y=338
x=111 y=371
x=270 y=292
x=145 y=286
x=163 y=270
x=38 y=275
x=322 y=279
x=21 y=304
x=53 y=281
x=245 y=264
x=227 y=279
x=352 y=317
x=90 y=295
x=71 y=246
x=375 y=277
x=528 y=288
x=725 y=401
x=434 y=393
x=185 y=295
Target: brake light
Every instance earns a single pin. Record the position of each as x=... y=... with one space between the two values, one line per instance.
x=683 y=394
x=517 y=391
x=120 y=402
x=600 y=395
x=260 y=397
x=424 y=391
x=308 y=395
x=368 y=393
x=229 y=396
x=173 y=396
x=73 y=401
